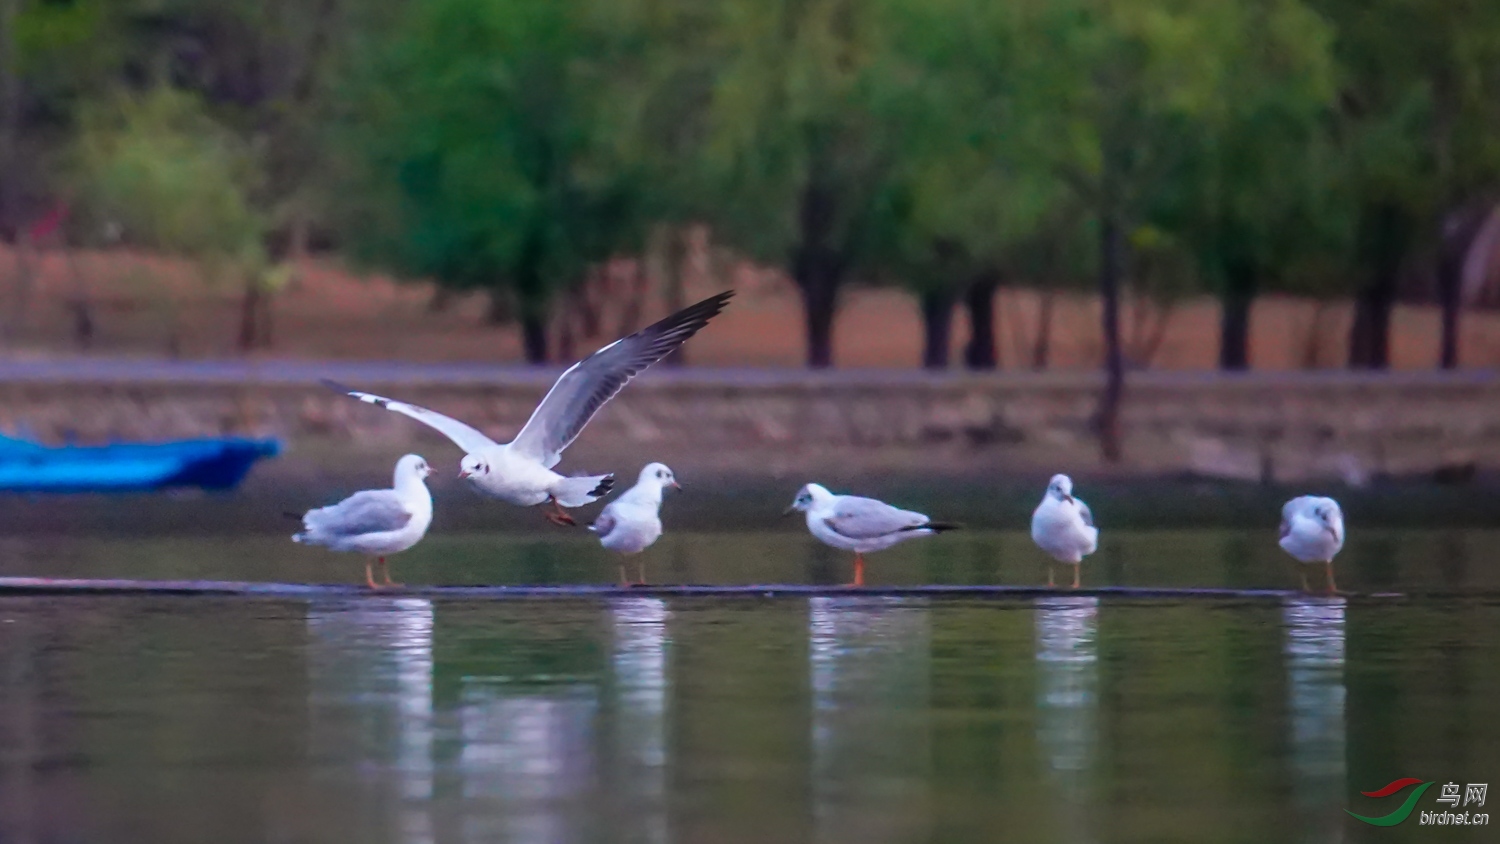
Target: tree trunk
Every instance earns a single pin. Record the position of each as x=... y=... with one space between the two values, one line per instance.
x=818 y=271
x=1459 y=234
x=1111 y=260
x=1452 y=294
x=534 y=337
x=982 y=352
x=674 y=255
x=1234 y=325
x=1314 y=341
x=1041 y=350
x=249 y=311
x=1384 y=245
x=937 y=328
x=819 y=304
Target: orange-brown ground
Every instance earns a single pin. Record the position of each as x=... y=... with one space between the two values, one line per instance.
x=140 y=303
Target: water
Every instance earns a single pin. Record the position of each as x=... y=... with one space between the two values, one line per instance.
x=834 y=719
x=1416 y=561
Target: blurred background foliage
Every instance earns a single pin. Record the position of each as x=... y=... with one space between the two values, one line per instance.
x=1151 y=150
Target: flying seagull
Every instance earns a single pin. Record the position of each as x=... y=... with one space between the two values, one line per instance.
x=861 y=525
x=1063 y=526
x=632 y=522
x=375 y=522
x=520 y=471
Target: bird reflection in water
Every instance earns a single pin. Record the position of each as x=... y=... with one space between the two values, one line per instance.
x=1067 y=659
x=1315 y=688
x=527 y=758
x=639 y=723
x=370 y=694
x=872 y=749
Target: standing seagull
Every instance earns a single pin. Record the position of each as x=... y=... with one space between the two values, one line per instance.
x=1063 y=527
x=376 y=522
x=520 y=471
x=861 y=525
x=1312 y=530
x=632 y=522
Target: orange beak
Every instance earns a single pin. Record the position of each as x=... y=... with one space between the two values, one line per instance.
x=463 y=473
x=676 y=485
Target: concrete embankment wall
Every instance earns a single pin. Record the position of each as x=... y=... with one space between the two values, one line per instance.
x=1280 y=427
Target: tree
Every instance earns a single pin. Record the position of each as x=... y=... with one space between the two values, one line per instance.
x=169 y=178
x=1420 y=124
x=797 y=159
x=1111 y=87
x=478 y=152
x=1253 y=187
x=963 y=195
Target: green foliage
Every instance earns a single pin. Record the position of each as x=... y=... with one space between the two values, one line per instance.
x=1252 y=193
x=970 y=195
x=479 y=152
x=790 y=117
x=506 y=145
x=169 y=177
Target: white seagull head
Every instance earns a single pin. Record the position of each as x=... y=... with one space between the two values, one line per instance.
x=473 y=466
x=1327 y=512
x=807 y=498
x=412 y=466
x=658 y=474
x=1060 y=488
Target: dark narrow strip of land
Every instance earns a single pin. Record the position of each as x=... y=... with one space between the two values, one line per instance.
x=50 y=586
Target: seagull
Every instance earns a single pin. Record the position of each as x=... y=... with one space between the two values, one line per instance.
x=861 y=525
x=1312 y=530
x=375 y=522
x=632 y=522
x=1063 y=526
x=520 y=471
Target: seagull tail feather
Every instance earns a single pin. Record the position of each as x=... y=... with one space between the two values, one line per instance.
x=576 y=492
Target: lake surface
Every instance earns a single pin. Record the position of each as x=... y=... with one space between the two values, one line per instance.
x=831 y=719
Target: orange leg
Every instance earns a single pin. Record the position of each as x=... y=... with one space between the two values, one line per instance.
x=624 y=581
x=385 y=571
x=642 y=565
x=1302 y=573
x=1051 y=583
x=859 y=569
x=370 y=576
x=558 y=516
x=1333 y=588
x=1076 y=567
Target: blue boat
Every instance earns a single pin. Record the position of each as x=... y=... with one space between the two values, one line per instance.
x=214 y=463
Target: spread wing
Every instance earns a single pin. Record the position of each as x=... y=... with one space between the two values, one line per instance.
x=591 y=382
x=467 y=438
x=865 y=518
x=371 y=511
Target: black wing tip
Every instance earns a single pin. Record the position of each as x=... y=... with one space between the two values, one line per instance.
x=697 y=314
x=940 y=527
x=605 y=485
x=336 y=386
x=293 y=516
